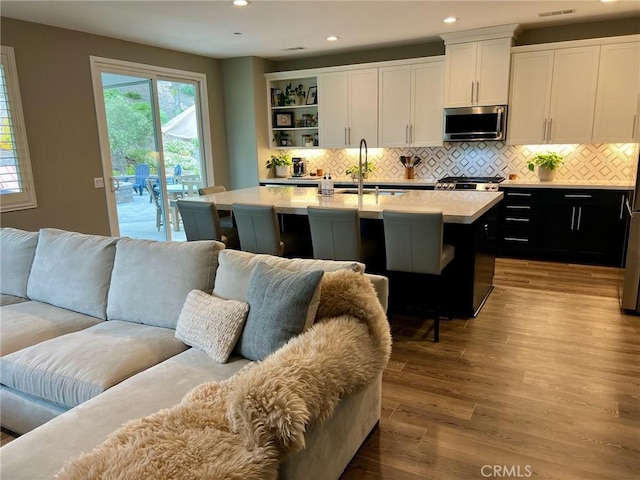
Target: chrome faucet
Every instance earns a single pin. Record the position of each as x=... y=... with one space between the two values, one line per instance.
x=360 y=172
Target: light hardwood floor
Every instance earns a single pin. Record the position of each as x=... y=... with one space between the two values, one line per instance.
x=544 y=383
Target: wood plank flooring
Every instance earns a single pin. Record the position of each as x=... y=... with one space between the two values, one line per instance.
x=544 y=383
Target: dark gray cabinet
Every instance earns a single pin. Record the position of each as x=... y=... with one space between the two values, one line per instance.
x=582 y=226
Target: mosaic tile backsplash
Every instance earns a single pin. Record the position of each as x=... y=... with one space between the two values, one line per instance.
x=581 y=162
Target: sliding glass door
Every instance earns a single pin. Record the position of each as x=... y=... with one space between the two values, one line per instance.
x=154 y=150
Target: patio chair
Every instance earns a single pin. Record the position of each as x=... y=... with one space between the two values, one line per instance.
x=142 y=173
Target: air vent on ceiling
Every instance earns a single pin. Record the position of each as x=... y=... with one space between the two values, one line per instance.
x=291 y=49
x=556 y=13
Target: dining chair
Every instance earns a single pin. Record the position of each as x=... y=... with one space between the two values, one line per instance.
x=336 y=234
x=414 y=245
x=201 y=222
x=259 y=231
x=226 y=218
x=155 y=198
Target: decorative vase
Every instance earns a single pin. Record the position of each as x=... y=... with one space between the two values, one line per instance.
x=282 y=171
x=545 y=174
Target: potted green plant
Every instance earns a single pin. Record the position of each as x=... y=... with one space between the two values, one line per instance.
x=294 y=95
x=547 y=164
x=353 y=170
x=281 y=163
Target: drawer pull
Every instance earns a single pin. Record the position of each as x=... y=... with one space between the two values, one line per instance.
x=575 y=195
x=516 y=239
x=517 y=194
x=518 y=207
x=513 y=219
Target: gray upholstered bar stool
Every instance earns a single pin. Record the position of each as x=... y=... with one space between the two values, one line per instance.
x=335 y=234
x=259 y=230
x=201 y=222
x=226 y=219
x=414 y=244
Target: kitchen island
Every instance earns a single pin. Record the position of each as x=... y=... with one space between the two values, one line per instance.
x=469 y=216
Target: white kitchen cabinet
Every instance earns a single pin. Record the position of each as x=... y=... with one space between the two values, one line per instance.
x=616 y=112
x=531 y=75
x=411 y=105
x=553 y=96
x=477 y=73
x=348 y=108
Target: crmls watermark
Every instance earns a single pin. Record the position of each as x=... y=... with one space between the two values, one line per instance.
x=506 y=471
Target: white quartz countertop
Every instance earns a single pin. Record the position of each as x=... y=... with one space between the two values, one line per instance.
x=457 y=206
x=430 y=182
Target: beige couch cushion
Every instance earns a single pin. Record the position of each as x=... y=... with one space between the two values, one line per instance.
x=28 y=323
x=18 y=248
x=236 y=267
x=72 y=270
x=151 y=280
x=73 y=368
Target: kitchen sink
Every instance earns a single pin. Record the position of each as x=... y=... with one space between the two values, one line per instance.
x=371 y=191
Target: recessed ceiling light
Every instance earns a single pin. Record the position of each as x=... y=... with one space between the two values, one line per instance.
x=240 y=3
x=333 y=38
x=450 y=20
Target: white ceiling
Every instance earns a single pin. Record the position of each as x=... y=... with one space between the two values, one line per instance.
x=218 y=29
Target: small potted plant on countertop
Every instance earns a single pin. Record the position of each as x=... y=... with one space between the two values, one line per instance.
x=547 y=164
x=353 y=171
x=281 y=163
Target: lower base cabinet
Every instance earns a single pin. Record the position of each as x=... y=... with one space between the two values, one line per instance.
x=580 y=226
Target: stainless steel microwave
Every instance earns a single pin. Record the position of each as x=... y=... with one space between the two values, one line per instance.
x=474 y=124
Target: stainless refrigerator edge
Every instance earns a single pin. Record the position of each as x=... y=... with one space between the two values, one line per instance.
x=631 y=283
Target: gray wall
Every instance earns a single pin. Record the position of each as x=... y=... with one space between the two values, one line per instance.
x=60 y=118
x=245 y=118
x=430 y=48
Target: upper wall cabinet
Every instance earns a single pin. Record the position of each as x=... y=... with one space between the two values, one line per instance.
x=411 y=103
x=348 y=108
x=548 y=104
x=293 y=113
x=477 y=73
x=616 y=114
x=584 y=91
x=477 y=66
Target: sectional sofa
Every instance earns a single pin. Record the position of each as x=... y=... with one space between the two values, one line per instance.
x=88 y=343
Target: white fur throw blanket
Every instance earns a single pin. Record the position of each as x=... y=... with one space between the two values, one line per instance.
x=243 y=427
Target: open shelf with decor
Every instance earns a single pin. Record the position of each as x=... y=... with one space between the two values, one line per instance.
x=293 y=113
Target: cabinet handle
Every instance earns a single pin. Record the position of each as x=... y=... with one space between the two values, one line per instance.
x=477 y=92
x=518 y=207
x=577 y=195
x=544 y=130
x=633 y=128
x=549 y=134
x=406 y=134
x=579 y=217
x=345 y=136
x=573 y=216
x=622 y=199
x=516 y=239
x=513 y=219
x=517 y=194
x=410 y=134
x=472 y=92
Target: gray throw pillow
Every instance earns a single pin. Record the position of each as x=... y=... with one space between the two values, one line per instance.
x=278 y=305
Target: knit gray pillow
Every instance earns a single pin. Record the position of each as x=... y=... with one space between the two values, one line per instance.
x=211 y=324
x=279 y=301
